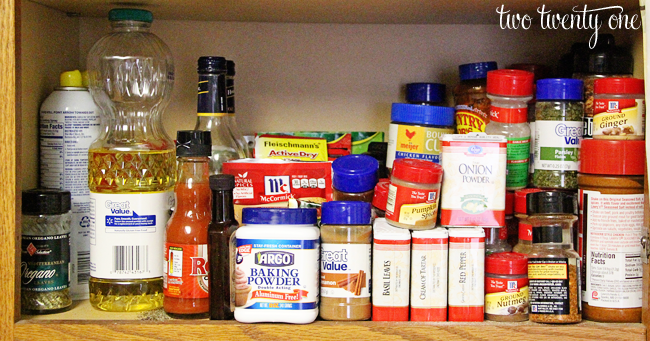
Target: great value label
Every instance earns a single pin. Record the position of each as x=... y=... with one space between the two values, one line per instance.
x=342 y=267
x=414 y=142
x=557 y=144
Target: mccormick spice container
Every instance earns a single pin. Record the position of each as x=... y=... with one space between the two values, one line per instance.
x=277 y=263
x=558 y=131
x=354 y=177
x=45 y=251
x=391 y=262
x=415 y=131
x=611 y=225
x=429 y=264
x=619 y=109
x=466 y=274
x=506 y=287
x=426 y=93
x=346 y=238
x=509 y=92
x=472 y=103
x=413 y=194
x=474 y=185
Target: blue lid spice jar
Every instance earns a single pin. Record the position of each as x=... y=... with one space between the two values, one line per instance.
x=426 y=93
x=354 y=177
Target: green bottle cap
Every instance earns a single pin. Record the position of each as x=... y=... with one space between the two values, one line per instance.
x=120 y=14
x=71 y=78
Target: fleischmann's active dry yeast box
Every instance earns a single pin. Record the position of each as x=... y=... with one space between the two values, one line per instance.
x=474 y=182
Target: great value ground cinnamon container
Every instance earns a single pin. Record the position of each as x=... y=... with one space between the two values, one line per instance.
x=506 y=287
x=429 y=263
x=611 y=200
x=413 y=194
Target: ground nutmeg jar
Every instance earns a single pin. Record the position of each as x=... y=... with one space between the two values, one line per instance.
x=506 y=287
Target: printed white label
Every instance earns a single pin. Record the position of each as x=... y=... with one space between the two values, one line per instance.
x=612 y=234
x=557 y=144
x=429 y=276
x=466 y=274
x=127 y=234
x=345 y=270
x=391 y=269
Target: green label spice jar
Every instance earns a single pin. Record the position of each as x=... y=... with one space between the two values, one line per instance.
x=558 y=131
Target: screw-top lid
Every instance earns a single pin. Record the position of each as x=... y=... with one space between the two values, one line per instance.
x=380 y=197
x=193 y=143
x=133 y=14
x=560 y=89
x=210 y=64
x=510 y=203
x=354 y=173
x=612 y=157
x=610 y=61
x=619 y=86
x=475 y=70
x=45 y=201
x=422 y=114
x=279 y=216
x=551 y=203
x=222 y=182
x=346 y=213
x=230 y=68
x=520 y=199
x=547 y=234
x=425 y=92
x=84 y=78
x=509 y=82
x=506 y=263
x=413 y=170
x=71 y=78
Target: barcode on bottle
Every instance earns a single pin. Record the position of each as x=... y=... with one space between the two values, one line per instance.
x=390 y=202
x=83 y=267
x=131 y=258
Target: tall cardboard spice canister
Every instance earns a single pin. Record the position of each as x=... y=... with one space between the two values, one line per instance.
x=466 y=273
x=611 y=224
x=391 y=264
x=429 y=264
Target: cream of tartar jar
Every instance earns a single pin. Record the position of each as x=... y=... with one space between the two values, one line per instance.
x=277 y=266
x=413 y=194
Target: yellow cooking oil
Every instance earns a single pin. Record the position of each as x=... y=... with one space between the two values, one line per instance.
x=111 y=171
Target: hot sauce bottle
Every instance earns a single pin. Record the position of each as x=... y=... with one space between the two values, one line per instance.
x=186 y=246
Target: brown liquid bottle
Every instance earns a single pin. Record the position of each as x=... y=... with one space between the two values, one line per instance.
x=221 y=247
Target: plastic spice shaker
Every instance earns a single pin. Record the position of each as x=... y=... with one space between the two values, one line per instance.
x=426 y=93
x=496 y=240
x=611 y=185
x=558 y=131
x=506 y=287
x=354 y=177
x=509 y=92
x=619 y=109
x=346 y=240
x=413 y=194
x=525 y=234
x=553 y=208
x=470 y=98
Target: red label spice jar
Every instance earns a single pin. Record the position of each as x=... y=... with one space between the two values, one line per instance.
x=413 y=194
x=525 y=242
x=611 y=200
x=619 y=109
x=506 y=287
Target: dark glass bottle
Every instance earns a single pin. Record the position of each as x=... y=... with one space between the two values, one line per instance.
x=221 y=245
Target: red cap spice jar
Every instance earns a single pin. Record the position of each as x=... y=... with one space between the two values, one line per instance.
x=525 y=242
x=413 y=194
x=610 y=182
x=506 y=287
x=619 y=109
x=380 y=198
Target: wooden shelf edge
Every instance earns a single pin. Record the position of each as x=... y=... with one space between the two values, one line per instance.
x=200 y=329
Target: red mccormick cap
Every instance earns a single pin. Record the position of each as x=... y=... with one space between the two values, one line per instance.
x=381 y=194
x=413 y=170
x=619 y=86
x=510 y=203
x=520 y=199
x=506 y=263
x=612 y=157
x=510 y=83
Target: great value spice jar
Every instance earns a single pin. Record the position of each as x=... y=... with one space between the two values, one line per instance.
x=354 y=177
x=416 y=130
x=506 y=287
x=413 y=194
x=277 y=263
x=429 y=263
x=611 y=224
x=619 y=109
x=346 y=237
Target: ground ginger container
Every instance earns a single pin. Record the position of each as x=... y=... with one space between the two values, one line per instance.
x=611 y=224
x=619 y=109
x=413 y=194
x=506 y=287
x=346 y=240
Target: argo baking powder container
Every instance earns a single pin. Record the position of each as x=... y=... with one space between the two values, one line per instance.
x=416 y=131
x=277 y=267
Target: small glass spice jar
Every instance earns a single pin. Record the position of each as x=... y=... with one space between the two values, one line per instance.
x=525 y=234
x=619 y=109
x=496 y=240
x=506 y=287
x=45 y=251
x=354 y=177
x=470 y=97
x=413 y=194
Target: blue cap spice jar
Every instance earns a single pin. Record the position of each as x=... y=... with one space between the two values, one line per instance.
x=354 y=177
